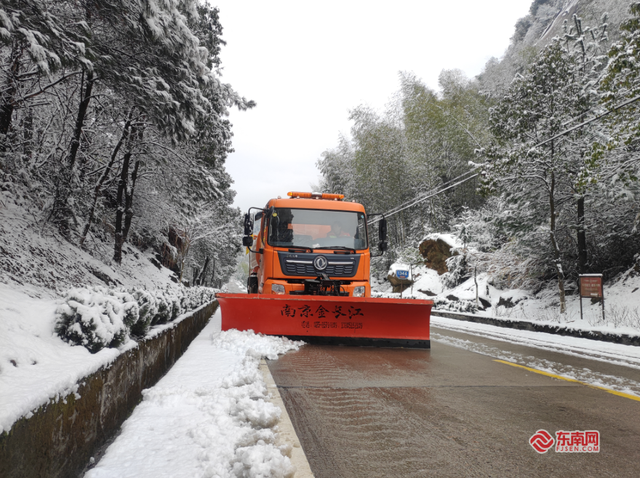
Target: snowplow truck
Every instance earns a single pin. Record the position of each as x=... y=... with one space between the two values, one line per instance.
x=310 y=259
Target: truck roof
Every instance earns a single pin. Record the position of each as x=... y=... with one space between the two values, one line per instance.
x=330 y=204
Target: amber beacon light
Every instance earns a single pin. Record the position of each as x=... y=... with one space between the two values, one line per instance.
x=303 y=195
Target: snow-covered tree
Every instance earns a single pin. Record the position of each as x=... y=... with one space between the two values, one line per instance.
x=528 y=159
x=103 y=101
x=621 y=86
x=380 y=166
x=338 y=170
x=442 y=131
x=39 y=38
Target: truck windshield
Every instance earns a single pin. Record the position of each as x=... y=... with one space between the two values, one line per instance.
x=317 y=229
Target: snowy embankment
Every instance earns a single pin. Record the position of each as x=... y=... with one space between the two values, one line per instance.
x=621 y=302
x=42 y=361
x=35 y=364
x=209 y=416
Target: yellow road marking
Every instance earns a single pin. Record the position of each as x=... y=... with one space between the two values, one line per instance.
x=567 y=379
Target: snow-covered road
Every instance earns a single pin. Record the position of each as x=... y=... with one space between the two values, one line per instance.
x=211 y=415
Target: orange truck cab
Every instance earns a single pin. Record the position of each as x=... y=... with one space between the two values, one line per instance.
x=310 y=244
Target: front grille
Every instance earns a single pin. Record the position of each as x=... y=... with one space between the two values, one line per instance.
x=301 y=264
x=342 y=270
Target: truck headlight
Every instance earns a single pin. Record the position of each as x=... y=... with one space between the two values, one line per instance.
x=359 y=291
x=277 y=289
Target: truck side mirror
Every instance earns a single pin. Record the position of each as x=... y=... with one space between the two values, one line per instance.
x=247 y=241
x=248 y=227
x=382 y=234
x=382 y=231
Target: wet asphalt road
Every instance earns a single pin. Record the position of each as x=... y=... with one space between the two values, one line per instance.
x=367 y=412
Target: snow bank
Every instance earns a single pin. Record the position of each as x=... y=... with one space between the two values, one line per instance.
x=98 y=317
x=35 y=364
x=209 y=416
x=622 y=301
x=426 y=279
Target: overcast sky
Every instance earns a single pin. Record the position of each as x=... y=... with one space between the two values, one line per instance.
x=307 y=64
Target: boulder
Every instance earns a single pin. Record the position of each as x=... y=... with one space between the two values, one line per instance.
x=484 y=303
x=436 y=252
x=399 y=284
x=509 y=302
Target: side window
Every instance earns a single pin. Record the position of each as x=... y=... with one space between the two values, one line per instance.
x=361 y=232
x=265 y=226
x=257 y=223
x=280 y=228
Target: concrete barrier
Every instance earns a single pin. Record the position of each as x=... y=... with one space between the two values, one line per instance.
x=60 y=438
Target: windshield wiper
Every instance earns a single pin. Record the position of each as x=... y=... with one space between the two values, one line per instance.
x=300 y=249
x=351 y=250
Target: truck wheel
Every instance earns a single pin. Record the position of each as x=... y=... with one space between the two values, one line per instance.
x=252 y=285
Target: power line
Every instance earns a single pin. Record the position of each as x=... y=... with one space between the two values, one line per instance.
x=419 y=199
x=444 y=187
x=584 y=123
x=426 y=196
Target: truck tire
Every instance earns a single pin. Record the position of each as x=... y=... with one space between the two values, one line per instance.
x=252 y=285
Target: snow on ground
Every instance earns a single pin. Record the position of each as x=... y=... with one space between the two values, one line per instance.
x=212 y=406
x=35 y=259
x=621 y=300
x=212 y=412
x=35 y=364
x=425 y=279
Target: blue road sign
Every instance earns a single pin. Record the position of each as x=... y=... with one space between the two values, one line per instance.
x=402 y=274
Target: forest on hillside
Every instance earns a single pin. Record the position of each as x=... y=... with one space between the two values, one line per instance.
x=114 y=129
x=534 y=164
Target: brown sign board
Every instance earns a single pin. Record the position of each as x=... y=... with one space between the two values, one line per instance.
x=591 y=286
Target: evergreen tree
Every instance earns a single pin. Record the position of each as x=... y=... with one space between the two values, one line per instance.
x=528 y=160
x=619 y=86
x=100 y=100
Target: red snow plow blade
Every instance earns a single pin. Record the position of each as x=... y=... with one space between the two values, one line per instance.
x=331 y=320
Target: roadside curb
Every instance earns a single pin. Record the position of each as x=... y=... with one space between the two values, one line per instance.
x=549 y=329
